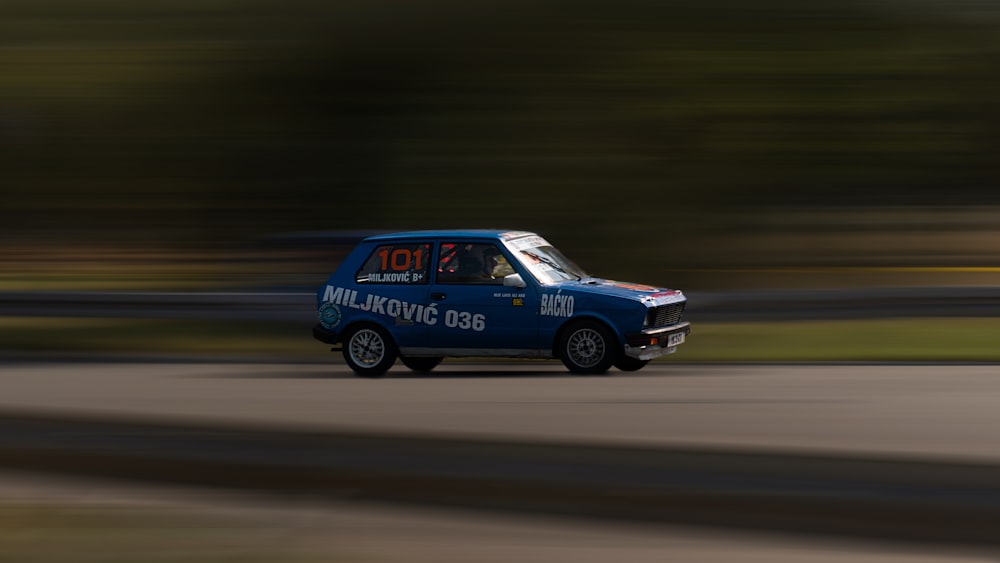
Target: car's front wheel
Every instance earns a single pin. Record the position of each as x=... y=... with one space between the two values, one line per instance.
x=369 y=350
x=421 y=365
x=587 y=347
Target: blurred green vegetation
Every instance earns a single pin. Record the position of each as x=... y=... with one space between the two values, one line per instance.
x=677 y=136
x=124 y=532
x=41 y=336
x=870 y=340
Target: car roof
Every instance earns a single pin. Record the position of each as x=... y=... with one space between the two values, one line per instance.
x=452 y=233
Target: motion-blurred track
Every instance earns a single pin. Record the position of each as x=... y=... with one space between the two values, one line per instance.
x=927 y=410
x=894 y=452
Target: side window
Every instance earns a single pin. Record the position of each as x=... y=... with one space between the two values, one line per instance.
x=396 y=264
x=472 y=264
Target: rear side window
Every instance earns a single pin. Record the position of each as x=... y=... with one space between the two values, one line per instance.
x=396 y=264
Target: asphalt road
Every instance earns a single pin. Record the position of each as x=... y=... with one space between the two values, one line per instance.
x=927 y=411
x=221 y=526
x=897 y=453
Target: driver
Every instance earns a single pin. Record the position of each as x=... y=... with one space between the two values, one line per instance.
x=490 y=261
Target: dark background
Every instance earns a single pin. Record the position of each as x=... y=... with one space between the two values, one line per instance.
x=648 y=139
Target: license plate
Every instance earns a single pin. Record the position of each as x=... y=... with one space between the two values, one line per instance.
x=675 y=339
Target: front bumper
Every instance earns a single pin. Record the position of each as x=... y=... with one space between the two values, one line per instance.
x=652 y=343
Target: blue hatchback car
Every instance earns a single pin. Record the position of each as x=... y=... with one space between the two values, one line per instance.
x=422 y=296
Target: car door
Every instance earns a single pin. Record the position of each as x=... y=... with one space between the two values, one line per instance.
x=391 y=288
x=477 y=314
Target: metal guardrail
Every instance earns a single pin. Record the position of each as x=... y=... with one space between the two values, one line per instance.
x=916 y=302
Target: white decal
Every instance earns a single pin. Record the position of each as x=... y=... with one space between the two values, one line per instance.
x=527 y=242
x=392 y=307
x=464 y=320
x=378 y=304
x=556 y=305
x=331 y=295
x=395 y=277
x=411 y=312
x=430 y=316
x=410 y=309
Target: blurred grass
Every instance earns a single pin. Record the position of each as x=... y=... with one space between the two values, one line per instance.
x=889 y=340
x=142 y=336
x=84 y=533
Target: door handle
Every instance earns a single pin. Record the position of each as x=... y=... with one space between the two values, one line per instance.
x=438 y=296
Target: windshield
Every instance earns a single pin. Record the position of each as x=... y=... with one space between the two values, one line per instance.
x=544 y=261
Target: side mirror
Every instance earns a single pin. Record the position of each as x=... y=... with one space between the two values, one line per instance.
x=514 y=280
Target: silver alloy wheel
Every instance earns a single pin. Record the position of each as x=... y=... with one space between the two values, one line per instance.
x=367 y=347
x=585 y=347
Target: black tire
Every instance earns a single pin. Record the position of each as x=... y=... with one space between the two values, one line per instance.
x=369 y=350
x=627 y=363
x=420 y=365
x=588 y=347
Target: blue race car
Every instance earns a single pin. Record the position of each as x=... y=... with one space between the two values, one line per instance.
x=422 y=296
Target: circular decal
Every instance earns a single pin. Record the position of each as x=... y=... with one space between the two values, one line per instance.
x=329 y=315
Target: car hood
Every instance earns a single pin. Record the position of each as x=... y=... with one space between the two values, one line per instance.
x=649 y=295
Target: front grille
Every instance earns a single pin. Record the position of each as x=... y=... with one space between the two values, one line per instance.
x=666 y=315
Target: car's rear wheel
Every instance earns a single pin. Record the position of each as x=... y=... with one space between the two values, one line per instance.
x=587 y=347
x=628 y=363
x=369 y=350
x=420 y=365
